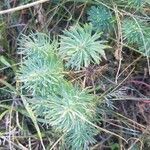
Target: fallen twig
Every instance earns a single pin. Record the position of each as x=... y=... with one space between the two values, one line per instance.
x=11 y=10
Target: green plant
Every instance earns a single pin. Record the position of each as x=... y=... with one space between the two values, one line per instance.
x=51 y=106
x=79 y=47
x=145 y=48
x=38 y=44
x=135 y=3
x=63 y=106
x=65 y=112
x=136 y=32
x=101 y=18
x=41 y=70
x=132 y=4
x=132 y=31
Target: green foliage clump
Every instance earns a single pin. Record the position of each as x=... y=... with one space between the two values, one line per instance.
x=37 y=73
x=81 y=136
x=135 y=3
x=79 y=47
x=41 y=69
x=136 y=32
x=132 y=31
x=132 y=4
x=37 y=44
x=65 y=107
x=66 y=112
x=69 y=106
x=145 y=48
x=101 y=18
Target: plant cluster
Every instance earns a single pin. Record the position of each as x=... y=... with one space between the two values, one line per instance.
x=63 y=92
x=80 y=47
x=135 y=31
x=101 y=18
x=65 y=107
